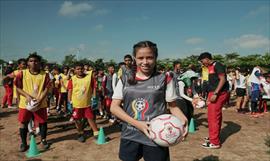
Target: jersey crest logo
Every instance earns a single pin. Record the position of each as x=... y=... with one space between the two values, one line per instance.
x=139 y=107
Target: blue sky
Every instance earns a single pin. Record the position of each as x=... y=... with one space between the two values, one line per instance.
x=109 y=29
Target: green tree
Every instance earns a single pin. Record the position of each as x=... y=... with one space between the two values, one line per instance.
x=265 y=60
x=219 y=58
x=100 y=64
x=69 y=60
x=231 y=58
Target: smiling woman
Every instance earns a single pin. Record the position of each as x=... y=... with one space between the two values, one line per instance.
x=144 y=99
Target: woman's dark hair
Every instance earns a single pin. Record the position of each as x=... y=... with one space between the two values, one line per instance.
x=144 y=44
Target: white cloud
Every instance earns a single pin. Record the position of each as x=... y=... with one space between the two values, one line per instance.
x=99 y=27
x=259 y=10
x=48 y=49
x=194 y=40
x=249 y=41
x=70 y=9
x=102 y=12
x=141 y=18
x=104 y=43
x=82 y=47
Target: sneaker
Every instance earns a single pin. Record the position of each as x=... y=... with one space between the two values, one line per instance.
x=95 y=134
x=45 y=144
x=206 y=139
x=37 y=131
x=81 y=139
x=259 y=113
x=111 y=121
x=253 y=114
x=209 y=145
x=71 y=119
x=105 y=116
x=12 y=107
x=23 y=148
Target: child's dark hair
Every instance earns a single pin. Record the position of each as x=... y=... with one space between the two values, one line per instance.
x=56 y=68
x=65 y=67
x=34 y=55
x=128 y=56
x=78 y=64
x=21 y=60
x=110 y=65
x=121 y=63
x=175 y=63
x=205 y=55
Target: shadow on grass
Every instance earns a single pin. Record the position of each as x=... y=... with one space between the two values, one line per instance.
x=61 y=128
x=208 y=158
x=34 y=160
x=200 y=121
x=112 y=129
x=57 y=118
x=72 y=136
x=230 y=129
x=8 y=113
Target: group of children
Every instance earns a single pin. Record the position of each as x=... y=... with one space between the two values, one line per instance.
x=83 y=93
x=252 y=89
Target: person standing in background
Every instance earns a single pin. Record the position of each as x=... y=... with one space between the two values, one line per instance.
x=218 y=91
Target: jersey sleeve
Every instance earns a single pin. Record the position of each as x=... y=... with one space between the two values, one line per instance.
x=118 y=91
x=220 y=68
x=70 y=85
x=170 y=94
x=93 y=82
x=47 y=83
x=18 y=80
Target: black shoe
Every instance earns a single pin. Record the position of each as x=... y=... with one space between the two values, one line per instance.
x=209 y=145
x=81 y=139
x=45 y=145
x=23 y=148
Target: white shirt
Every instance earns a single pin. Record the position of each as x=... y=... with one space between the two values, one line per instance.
x=114 y=79
x=266 y=88
x=241 y=82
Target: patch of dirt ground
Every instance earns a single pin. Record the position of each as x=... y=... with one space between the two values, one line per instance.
x=243 y=139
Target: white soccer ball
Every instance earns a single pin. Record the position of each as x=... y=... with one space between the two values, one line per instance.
x=31 y=106
x=166 y=130
x=200 y=104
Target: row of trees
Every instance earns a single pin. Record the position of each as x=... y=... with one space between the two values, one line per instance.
x=230 y=60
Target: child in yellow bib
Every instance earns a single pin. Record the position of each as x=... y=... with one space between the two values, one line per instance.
x=63 y=79
x=32 y=86
x=80 y=90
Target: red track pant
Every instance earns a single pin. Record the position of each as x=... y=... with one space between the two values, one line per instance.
x=215 y=117
x=8 y=95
